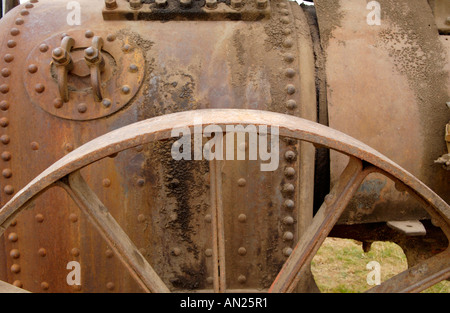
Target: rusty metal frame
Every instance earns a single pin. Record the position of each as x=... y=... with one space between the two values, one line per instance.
x=363 y=160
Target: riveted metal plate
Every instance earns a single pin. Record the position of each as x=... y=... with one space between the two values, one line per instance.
x=239 y=10
x=121 y=78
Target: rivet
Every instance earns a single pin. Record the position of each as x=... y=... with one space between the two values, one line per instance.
x=110 y=285
x=69 y=147
x=126 y=48
x=89 y=34
x=242 y=218
x=289 y=188
x=289 y=58
x=29 y=6
x=287 y=251
x=39 y=88
x=285 y=20
x=447 y=20
x=34 y=146
x=9 y=190
x=4 y=88
x=176 y=251
x=57 y=52
x=5 y=139
x=6 y=72
x=15 y=268
x=133 y=68
x=111 y=4
x=45 y=285
x=14 y=31
x=211 y=4
x=242 y=279
x=126 y=89
x=282 y=5
x=4 y=122
x=13 y=237
x=32 y=68
x=42 y=252
x=24 y=12
x=290 y=89
x=14 y=253
x=289 y=155
x=139 y=148
x=73 y=218
x=241 y=182
x=210 y=280
x=141 y=218
x=111 y=37
x=284 y=11
x=261 y=4
x=18 y=283
x=289 y=204
x=58 y=103
x=106 y=182
x=185 y=3
x=288 y=220
x=242 y=251
x=13 y=223
x=289 y=171
x=208 y=252
x=288 y=236
x=291 y=104
x=6 y=156
x=4 y=105
x=19 y=21
x=236 y=4
x=290 y=72
x=11 y=43
x=82 y=107
x=75 y=252
x=34 y=1
x=208 y=218
x=39 y=218
x=287 y=31
x=106 y=102
x=328 y=199
x=43 y=48
x=62 y=36
x=141 y=182
x=109 y=253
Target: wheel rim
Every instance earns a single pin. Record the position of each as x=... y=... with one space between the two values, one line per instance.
x=363 y=161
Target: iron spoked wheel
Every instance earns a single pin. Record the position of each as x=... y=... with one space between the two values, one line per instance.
x=363 y=161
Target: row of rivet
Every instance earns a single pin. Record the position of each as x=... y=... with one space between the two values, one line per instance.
x=288 y=57
x=4 y=89
x=288 y=189
x=185 y=4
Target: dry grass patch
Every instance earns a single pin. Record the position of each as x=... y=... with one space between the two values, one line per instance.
x=340 y=265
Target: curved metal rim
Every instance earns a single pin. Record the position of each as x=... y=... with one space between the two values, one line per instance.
x=160 y=128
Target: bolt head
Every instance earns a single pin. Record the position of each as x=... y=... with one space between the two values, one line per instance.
x=110 y=4
x=236 y=4
x=161 y=3
x=186 y=4
x=60 y=56
x=211 y=4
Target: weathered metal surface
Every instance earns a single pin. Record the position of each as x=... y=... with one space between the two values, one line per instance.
x=388 y=85
x=163 y=205
x=417 y=278
x=441 y=11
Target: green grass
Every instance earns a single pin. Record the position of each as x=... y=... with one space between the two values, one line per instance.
x=340 y=266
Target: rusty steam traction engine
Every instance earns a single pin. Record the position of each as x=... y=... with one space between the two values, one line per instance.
x=87 y=111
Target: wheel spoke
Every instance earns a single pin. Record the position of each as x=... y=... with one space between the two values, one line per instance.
x=118 y=240
x=321 y=225
x=419 y=277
